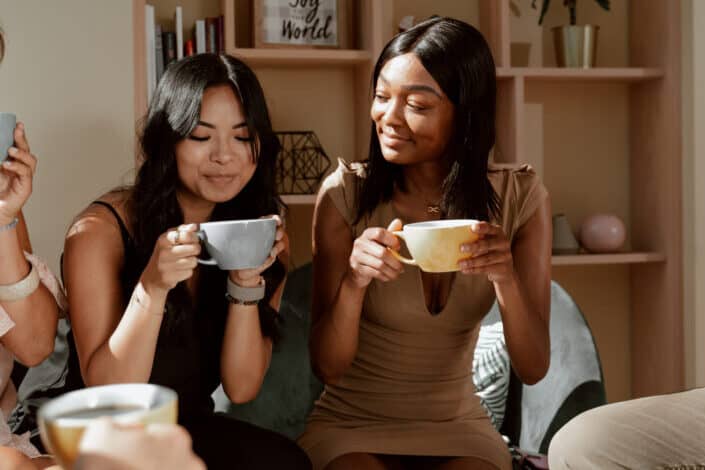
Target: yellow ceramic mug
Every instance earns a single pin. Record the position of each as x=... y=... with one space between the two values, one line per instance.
x=435 y=245
x=63 y=420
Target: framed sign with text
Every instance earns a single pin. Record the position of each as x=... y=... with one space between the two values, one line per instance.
x=302 y=23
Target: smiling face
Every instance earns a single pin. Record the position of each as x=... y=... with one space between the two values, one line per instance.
x=412 y=115
x=215 y=161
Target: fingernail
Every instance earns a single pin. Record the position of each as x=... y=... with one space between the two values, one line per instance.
x=12 y=151
x=465 y=248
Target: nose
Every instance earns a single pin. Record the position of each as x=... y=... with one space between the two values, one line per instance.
x=387 y=113
x=393 y=115
x=221 y=152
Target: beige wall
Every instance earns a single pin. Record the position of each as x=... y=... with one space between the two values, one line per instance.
x=68 y=76
x=693 y=189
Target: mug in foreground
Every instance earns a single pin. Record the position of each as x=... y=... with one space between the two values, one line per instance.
x=63 y=420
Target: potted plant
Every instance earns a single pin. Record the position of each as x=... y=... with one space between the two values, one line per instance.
x=575 y=45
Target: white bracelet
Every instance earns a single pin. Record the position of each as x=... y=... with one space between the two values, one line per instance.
x=20 y=289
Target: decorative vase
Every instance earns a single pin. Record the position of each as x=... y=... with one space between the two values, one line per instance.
x=564 y=242
x=603 y=233
x=576 y=46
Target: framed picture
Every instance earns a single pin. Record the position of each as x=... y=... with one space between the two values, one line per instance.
x=302 y=23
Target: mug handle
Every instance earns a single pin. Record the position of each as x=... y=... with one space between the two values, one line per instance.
x=210 y=261
x=409 y=261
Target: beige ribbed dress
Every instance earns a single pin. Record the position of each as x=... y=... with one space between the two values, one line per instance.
x=409 y=390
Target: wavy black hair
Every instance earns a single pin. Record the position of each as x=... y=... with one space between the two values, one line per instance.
x=459 y=59
x=153 y=207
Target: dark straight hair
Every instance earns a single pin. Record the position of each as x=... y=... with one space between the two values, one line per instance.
x=173 y=114
x=459 y=59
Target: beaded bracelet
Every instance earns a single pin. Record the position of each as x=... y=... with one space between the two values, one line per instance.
x=244 y=295
x=11 y=225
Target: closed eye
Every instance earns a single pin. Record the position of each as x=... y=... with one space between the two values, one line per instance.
x=244 y=139
x=198 y=139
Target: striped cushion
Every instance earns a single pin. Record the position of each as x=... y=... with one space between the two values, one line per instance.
x=491 y=371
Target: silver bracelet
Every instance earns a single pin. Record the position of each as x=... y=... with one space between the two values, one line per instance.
x=244 y=295
x=11 y=225
x=20 y=289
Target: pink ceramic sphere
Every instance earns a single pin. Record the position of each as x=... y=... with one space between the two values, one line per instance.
x=602 y=233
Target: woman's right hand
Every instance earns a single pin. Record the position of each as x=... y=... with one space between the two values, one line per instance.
x=173 y=260
x=370 y=257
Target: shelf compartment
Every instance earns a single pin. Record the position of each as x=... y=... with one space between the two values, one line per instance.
x=610 y=258
x=597 y=74
x=302 y=57
x=299 y=199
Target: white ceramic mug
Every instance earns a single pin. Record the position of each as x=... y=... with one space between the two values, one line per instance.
x=238 y=244
x=63 y=420
x=435 y=245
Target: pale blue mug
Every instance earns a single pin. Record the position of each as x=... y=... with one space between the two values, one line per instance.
x=8 y=121
x=238 y=244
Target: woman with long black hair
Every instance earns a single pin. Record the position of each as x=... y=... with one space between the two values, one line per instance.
x=394 y=346
x=141 y=308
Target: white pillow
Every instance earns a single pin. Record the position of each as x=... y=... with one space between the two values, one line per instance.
x=491 y=371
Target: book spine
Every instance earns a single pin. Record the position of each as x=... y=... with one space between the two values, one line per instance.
x=188 y=48
x=200 y=36
x=150 y=51
x=211 y=36
x=179 y=26
x=169 y=45
x=158 y=51
x=220 y=33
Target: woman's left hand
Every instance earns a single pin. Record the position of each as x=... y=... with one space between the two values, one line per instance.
x=253 y=277
x=490 y=255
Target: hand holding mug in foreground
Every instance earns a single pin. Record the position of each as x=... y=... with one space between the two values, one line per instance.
x=106 y=445
x=490 y=255
x=371 y=257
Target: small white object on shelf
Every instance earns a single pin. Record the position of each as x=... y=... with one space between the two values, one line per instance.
x=200 y=36
x=179 y=26
x=150 y=52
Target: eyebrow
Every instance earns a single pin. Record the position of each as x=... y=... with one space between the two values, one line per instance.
x=426 y=88
x=212 y=126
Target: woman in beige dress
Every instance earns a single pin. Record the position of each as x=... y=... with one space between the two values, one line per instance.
x=394 y=345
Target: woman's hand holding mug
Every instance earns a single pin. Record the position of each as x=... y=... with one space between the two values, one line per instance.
x=173 y=259
x=253 y=277
x=370 y=257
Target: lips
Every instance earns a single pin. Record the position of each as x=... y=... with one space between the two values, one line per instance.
x=220 y=179
x=392 y=140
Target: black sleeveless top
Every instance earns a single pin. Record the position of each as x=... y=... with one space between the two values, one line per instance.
x=187 y=356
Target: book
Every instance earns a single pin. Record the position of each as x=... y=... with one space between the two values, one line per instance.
x=179 y=27
x=150 y=59
x=220 y=28
x=158 y=51
x=188 y=48
x=200 y=36
x=211 y=38
x=169 y=47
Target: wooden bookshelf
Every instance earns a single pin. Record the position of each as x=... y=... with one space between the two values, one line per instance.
x=611 y=258
x=299 y=199
x=301 y=57
x=604 y=74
